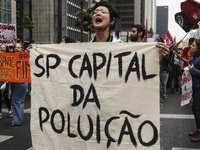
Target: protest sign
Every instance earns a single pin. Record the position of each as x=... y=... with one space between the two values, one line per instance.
x=186 y=89
x=7 y=31
x=88 y=96
x=15 y=67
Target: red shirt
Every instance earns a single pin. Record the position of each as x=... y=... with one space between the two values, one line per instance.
x=186 y=53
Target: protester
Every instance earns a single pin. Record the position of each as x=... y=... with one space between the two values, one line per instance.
x=164 y=72
x=28 y=50
x=63 y=40
x=180 y=48
x=164 y=75
x=4 y=48
x=104 y=20
x=69 y=39
x=30 y=46
x=137 y=33
x=18 y=95
x=194 y=68
x=175 y=64
x=4 y=92
x=186 y=55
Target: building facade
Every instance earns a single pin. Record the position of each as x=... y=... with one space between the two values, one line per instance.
x=162 y=20
x=28 y=12
x=69 y=9
x=8 y=11
x=134 y=12
x=130 y=12
x=45 y=19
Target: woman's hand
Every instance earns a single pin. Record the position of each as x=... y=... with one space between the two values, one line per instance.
x=184 y=73
x=191 y=66
x=29 y=47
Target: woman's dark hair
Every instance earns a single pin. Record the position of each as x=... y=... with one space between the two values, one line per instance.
x=197 y=53
x=69 y=39
x=191 y=40
x=112 y=11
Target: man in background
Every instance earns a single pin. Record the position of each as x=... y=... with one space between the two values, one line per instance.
x=137 y=33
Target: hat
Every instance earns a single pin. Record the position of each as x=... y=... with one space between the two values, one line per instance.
x=180 y=46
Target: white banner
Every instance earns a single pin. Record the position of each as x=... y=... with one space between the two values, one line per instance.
x=7 y=31
x=186 y=89
x=95 y=96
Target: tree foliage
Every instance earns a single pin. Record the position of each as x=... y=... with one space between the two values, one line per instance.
x=150 y=31
x=27 y=22
x=87 y=20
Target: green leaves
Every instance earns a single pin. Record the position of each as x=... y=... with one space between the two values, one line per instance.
x=27 y=22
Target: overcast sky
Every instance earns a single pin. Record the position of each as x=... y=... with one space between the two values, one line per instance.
x=173 y=7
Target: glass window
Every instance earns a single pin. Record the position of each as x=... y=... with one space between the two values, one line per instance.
x=9 y=18
x=4 y=3
x=0 y=16
x=8 y=5
x=4 y=17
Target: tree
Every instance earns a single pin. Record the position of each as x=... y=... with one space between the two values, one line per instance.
x=23 y=22
x=150 y=32
x=87 y=21
x=27 y=22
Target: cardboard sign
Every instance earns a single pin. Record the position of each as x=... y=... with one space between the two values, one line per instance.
x=88 y=96
x=15 y=67
x=7 y=31
x=186 y=89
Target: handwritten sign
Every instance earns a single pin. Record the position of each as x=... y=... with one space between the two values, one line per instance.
x=186 y=89
x=15 y=67
x=95 y=96
x=6 y=34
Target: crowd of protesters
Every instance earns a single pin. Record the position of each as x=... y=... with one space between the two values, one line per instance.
x=172 y=62
x=13 y=94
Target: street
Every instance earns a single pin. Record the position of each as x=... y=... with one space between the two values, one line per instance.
x=176 y=122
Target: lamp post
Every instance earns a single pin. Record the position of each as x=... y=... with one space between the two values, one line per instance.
x=22 y=21
x=81 y=20
x=59 y=20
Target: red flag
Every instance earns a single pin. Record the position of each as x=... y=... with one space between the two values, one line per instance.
x=191 y=9
x=169 y=40
x=146 y=31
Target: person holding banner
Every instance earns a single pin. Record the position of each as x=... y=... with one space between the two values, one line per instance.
x=4 y=48
x=194 y=68
x=137 y=34
x=18 y=95
x=104 y=20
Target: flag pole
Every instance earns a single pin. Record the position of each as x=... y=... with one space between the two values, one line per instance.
x=181 y=40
